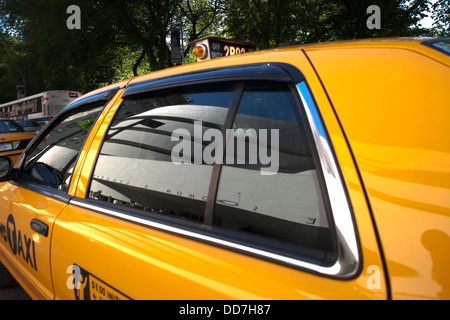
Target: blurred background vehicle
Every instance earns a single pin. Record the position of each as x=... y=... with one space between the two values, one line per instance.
x=13 y=139
x=31 y=126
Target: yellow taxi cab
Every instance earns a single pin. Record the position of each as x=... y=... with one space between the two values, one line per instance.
x=13 y=139
x=303 y=172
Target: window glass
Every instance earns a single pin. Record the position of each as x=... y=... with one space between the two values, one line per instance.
x=152 y=156
x=269 y=187
x=7 y=126
x=442 y=45
x=52 y=161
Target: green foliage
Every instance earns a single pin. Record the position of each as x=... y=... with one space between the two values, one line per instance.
x=199 y=18
x=441 y=14
x=270 y=22
x=119 y=39
x=54 y=57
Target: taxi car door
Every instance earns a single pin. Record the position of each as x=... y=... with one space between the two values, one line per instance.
x=30 y=204
x=157 y=215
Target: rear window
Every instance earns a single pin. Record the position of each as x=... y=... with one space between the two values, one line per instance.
x=135 y=166
x=276 y=195
x=8 y=126
x=158 y=157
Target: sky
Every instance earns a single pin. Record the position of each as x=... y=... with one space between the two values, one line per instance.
x=428 y=21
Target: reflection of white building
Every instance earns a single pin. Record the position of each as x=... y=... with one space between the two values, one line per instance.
x=58 y=157
x=153 y=129
x=135 y=165
x=122 y=178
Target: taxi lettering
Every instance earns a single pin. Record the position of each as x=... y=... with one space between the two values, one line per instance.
x=20 y=244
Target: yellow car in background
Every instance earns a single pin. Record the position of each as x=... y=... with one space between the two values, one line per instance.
x=305 y=172
x=13 y=139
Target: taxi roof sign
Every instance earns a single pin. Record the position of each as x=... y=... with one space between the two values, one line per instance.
x=215 y=47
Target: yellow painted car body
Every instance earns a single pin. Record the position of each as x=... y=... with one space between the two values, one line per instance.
x=385 y=106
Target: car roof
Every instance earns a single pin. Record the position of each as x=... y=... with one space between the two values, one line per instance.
x=415 y=44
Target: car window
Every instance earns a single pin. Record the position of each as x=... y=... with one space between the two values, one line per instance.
x=8 y=126
x=158 y=155
x=52 y=160
x=151 y=159
x=28 y=123
x=269 y=187
x=439 y=44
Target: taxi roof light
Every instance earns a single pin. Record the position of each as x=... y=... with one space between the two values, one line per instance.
x=214 y=47
x=200 y=51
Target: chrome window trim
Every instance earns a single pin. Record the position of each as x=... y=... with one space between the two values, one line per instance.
x=349 y=252
x=331 y=271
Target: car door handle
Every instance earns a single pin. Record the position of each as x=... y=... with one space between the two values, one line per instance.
x=39 y=226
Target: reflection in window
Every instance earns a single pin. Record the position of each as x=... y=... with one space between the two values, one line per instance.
x=287 y=206
x=52 y=161
x=7 y=126
x=135 y=167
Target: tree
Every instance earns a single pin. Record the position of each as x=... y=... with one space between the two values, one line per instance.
x=270 y=22
x=10 y=71
x=142 y=25
x=54 y=57
x=123 y=38
x=265 y=22
x=441 y=15
x=201 y=18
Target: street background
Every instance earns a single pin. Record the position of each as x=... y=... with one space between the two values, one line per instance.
x=14 y=293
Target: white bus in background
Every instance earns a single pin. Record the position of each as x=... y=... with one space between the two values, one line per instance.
x=43 y=105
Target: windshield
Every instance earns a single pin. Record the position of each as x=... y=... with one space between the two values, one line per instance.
x=8 y=126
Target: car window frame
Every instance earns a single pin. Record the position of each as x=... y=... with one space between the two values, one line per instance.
x=431 y=43
x=261 y=71
x=83 y=103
